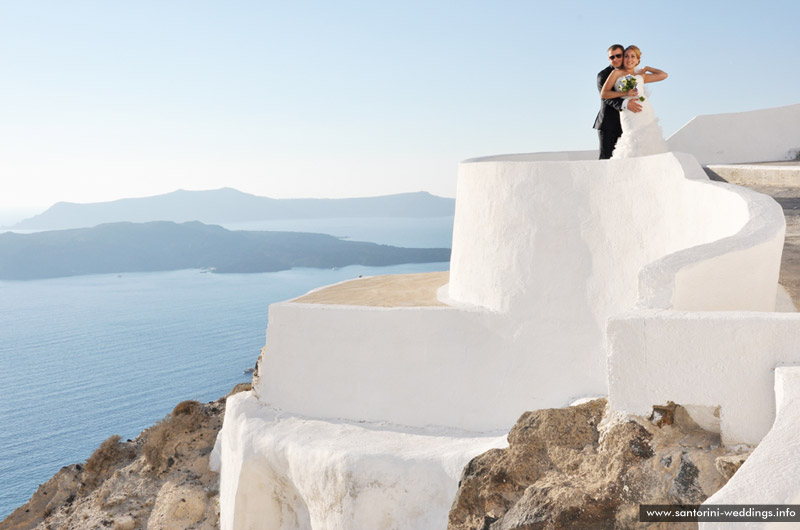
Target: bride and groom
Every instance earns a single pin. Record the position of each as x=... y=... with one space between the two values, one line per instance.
x=626 y=124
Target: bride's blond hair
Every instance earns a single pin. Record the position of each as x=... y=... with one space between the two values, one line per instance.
x=635 y=49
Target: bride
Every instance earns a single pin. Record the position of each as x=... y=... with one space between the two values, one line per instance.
x=641 y=134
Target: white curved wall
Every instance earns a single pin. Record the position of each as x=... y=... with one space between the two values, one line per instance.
x=553 y=156
x=727 y=273
x=543 y=254
x=736 y=137
x=566 y=239
x=691 y=353
x=548 y=250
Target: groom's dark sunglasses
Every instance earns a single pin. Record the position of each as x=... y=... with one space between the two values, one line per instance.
x=617 y=56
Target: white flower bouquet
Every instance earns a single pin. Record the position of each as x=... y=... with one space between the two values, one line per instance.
x=630 y=82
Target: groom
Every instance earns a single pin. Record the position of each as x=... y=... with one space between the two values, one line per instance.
x=607 y=122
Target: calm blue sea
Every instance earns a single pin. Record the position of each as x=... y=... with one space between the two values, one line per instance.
x=87 y=357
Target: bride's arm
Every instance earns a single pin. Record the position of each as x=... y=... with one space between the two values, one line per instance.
x=651 y=75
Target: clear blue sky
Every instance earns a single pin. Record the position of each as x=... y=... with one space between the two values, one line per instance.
x=105 y=99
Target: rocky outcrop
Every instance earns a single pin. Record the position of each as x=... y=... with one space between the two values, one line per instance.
x=583 y=467
x=159 y=481
x=576 y=467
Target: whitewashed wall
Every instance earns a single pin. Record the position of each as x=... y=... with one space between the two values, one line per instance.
x=409 y=366
x=547 y=238
x=724 y=359
x=544 y=252
x=677 y=345
x=738 y=272
x=569 y=277
x=769 y=476
x=738 y=137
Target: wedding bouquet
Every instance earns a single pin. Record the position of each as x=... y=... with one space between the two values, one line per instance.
x=629 y=82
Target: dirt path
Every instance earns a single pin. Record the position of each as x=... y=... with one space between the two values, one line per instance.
x=789 y=199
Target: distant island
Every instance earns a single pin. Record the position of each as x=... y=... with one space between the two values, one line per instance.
x=228 y=205
x=165 y=245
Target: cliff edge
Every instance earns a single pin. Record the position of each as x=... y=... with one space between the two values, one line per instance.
x=160 y=481
x=588 y=467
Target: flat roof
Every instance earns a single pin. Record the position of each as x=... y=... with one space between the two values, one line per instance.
x=396 y=290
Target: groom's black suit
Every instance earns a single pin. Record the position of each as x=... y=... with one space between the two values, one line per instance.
x=607 y=122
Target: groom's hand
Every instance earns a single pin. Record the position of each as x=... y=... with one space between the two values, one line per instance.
x=634 y=106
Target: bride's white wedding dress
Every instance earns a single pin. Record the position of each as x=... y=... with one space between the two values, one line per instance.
x=641 y=134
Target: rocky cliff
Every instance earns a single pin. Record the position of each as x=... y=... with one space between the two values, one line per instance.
x=576 y=467
x=159 y=481
x=583 y=467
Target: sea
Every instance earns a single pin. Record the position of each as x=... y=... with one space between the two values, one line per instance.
x=87 y=357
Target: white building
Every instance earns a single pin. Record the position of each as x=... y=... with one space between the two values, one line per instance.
x=639 y=279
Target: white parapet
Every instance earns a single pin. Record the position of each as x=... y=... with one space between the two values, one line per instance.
x=566 y=240
x=408 y=366
x=769 y=476
x=693 y=336
x=735 y=273
x=763 y=135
